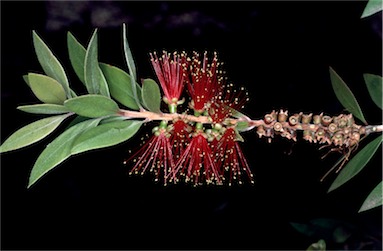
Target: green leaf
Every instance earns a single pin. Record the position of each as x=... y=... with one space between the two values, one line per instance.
x=374 y=199
x=32 y=133
x=73 y=93
x=345 y=96
x=372 y=7
x=77 y=54
x=374 y=86
x=46 y=89
x=105 y=135
x=50 y=64
x=91 y=72
x=128 y=54
x=243 y=126
x=131 y=66
x=120 y=86
x=356 y=164
x=92 y=106
x=320 y=245
x=112 y=118
x=77 y=120
x=44 y=109
x=58 y=150
x=25 y=78
x=151 y=95
x=104 y=89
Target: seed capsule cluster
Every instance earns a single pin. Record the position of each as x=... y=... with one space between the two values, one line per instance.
x=339 y=130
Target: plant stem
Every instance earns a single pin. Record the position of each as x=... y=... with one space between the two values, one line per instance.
x=151 y=116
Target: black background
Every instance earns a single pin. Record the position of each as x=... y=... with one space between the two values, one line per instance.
x=280 y=51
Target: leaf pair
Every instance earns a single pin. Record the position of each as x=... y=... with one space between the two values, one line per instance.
x=122 y=86
x=50 y=64
x=52 y=88
x=86 y=66
x=150 y=95
x=347 y=98
x=360 y=160
x=32 y=133
x=84 y=136
x=121 y=89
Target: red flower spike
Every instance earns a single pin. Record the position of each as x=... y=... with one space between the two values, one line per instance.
x=231 y=159
x=155 y=156
x=220 y=108
x=197 y=163
x=205 y=81
x=171 y=73
x=179 y=138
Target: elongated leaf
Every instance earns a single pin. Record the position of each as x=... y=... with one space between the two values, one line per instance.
x=106 y=135
x=356 y=164
x=77 y=120
x=44 y=109
x=372 y=7
x=58 y=150
x=345 y=96
x=131 y=66
x=104 y=89
x=112 y=118
x=120 y=86
x=46 y=89
x=374 y=86
x=73 y=93
x=50 y=64
x=374 y=199
x=32 y=133
x=92 y=106
x=151 y=95
x=26 y=80
x=128 y=54
x=91 y=72
x=77 y=54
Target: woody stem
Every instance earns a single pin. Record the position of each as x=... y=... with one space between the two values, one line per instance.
x=151 y=116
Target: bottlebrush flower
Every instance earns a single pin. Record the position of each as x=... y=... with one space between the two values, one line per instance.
x=197 y=163
x=155 y=156
x=230 y=159
x=205 y=81
x=223 y=103
x=179 y=137
x=171 y=72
